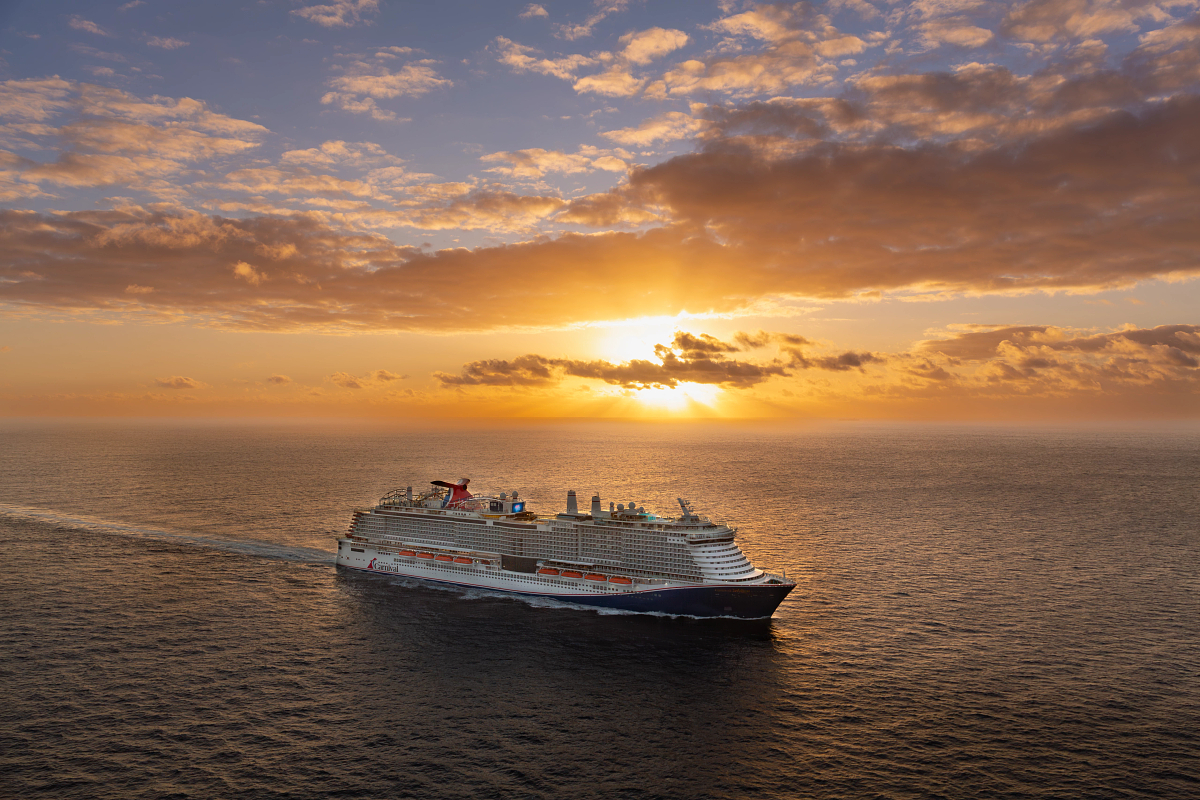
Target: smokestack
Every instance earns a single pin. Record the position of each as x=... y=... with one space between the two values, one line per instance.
x=595 y=505
x=408 y=493
x=572 y=503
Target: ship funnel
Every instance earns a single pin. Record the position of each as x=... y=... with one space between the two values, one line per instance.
x=408 y=493
x=572 y=503
x=595 y=505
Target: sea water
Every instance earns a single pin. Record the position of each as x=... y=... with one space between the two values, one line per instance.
x=980 y=612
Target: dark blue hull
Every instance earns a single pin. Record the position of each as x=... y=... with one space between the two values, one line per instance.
x=743 y=602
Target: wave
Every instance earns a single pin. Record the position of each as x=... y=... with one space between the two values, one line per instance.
x=85 y=522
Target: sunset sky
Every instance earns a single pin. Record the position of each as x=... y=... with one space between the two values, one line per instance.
x=947 y=209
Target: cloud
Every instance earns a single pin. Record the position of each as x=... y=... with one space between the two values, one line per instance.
x=1046 y=20
x=339 y=152
x=532 y=10
x=519 y=58
x=616 y=81
x=646 y=46
x=339 y=14
x=358 y=90
x=80 y=24
x=667 y=127
x=1079 y=208
x=953 y=32
x=604 y=9
x=1043 y=359
x=179 y=382
x=372 y=379
x=690 y=358
x=278 y=380
x=295 y=180
x=166 y=43
x=112 y=137
x=248 y=273
x=410 y=81
x=535 y=162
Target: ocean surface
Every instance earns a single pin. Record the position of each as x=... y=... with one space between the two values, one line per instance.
x=981 y=613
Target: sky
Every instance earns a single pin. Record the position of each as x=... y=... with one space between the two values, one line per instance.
x=938 y=210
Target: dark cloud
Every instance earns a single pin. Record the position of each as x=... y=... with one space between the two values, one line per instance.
x=839 y=363
x=690 y=358
x=279 y=380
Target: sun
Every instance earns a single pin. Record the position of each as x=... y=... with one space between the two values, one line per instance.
x=635 y=338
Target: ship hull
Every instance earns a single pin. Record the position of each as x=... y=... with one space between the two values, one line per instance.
x=756 y=601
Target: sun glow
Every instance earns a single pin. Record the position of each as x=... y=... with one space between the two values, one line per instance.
x=636 y=338
x=679 y=397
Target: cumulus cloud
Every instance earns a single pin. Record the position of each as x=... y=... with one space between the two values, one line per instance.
x=248 y=273
x=667 y=127
x=1043 y=359
x=339 y=14
x=365 y=81
x=535 y=162
x=80 y=24
x=604 y=9
x=525 y=59
x=672 y=368
x=379 y=377
x=411 y=81
x=178 y=382
x=533 y=10
x=689 y=358
x=279 y=380
x=616 y=81
x=646 y=46
x=114 y=137
x=166 y=42
x=339 y=152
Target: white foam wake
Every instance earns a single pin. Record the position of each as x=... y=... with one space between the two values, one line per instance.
x=85 y=522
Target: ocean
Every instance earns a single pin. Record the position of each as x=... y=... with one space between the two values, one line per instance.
x=981 y=612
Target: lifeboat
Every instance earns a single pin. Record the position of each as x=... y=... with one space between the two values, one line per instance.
x=570 y=573
x=620 y=580
x=462 y=560
x=595 y=576
x=548 y=571
x=424 y=555
x=409 y=553
x=443 y=557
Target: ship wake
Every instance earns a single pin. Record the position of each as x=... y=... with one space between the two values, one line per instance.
x=84 y=523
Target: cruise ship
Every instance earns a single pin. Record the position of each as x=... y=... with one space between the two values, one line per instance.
x=621 y=557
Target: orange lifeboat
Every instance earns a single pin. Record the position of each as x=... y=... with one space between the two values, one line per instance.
x=462 y=560
x=595 y=576
x=548 y=571
x=623 y=581
x=424 y=555
x=409 y=553
x=570 y=573
x=443 y=557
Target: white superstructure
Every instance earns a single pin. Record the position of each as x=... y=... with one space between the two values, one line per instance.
x=621 y=557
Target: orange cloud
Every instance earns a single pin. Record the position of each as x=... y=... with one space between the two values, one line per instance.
x=340 y=13
x=179 y=382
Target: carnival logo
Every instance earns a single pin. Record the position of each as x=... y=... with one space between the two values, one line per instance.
x=372 y=564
